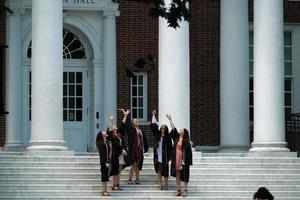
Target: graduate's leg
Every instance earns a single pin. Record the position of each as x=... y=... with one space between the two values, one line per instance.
x=137 y=173
x=104 y=189
x=119 y=176
x=130 y=175
x=178 y=183
x=159 y=178
x=167 y=183
x=185 y=193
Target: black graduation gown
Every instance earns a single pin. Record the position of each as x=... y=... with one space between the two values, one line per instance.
x=131 y=134
x=116 y=152
x=187 y=155
x=166 y=150
x=104 y=152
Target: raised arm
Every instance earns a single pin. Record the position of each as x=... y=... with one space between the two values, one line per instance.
x=154 y=124
x=170 y=120
x=110 y=126
x=154 y=120
x=125 y=114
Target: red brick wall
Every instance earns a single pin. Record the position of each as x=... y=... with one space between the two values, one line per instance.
x=2 y=76
x=204 y=68
x=137 y=34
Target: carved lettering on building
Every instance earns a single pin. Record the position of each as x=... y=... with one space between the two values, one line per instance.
x=79 y=2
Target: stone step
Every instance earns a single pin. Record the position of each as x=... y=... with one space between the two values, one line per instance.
x=206 y=164
x=139 y=193
x=203 y=187
x=198 y=170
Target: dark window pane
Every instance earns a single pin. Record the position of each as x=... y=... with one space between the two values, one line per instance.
x=71 y=77
x=78 y=90
x=71 y=115
x=287 y=38
x=65 y=77
x=65 y=115
x=288 y=110
x=141 y=102
x=78 y=77
x=251 y=85
x=140 y=91
x=78 y=103
x=287 y=85
x=288 y=68
x=287 y=99
x=134 y=113
x=134 y=102
x=29 y=102
x=251 y=67
x=29 y=77
x=29 y=115
x=134 y=91
x=140 y=80
x=141 y=113
x=71 y=102
x=71 y=90
x=78 y=115
x=65 y=102
x=65 y=90
x=251 y=98
x=287 y=53
x=134 y=80
x=251 y=38
x=251 y=114
x=30 y=89
x=251 y=52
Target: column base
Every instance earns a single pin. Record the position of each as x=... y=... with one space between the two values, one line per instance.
x=16 y=147
x=270 y=149
x=269 y=146
x=233 y=149
x=57 y=145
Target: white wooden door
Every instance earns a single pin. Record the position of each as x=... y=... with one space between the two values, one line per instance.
x=75 y=108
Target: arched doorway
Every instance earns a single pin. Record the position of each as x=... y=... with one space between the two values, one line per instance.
x=75 y=90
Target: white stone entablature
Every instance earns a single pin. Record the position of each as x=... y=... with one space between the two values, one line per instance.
x=92 y=5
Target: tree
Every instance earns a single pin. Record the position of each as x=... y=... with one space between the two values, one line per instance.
x=173 y=13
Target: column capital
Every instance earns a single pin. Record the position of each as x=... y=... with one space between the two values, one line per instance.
x=111 y=13
x=98 y=63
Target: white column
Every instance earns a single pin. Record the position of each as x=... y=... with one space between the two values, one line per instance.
x=14 y=140
x=47 y=76
x=174 y=73
x=110 y=71
x=234 y=75
x=269 y=126
x=97 y=118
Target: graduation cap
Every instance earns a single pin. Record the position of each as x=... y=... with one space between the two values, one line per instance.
x=129 y=73
x=147 y=59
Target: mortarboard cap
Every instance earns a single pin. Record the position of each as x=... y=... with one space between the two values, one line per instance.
x=147 y=59
x=129 y=73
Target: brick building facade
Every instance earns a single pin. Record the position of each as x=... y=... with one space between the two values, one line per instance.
x=137 y=34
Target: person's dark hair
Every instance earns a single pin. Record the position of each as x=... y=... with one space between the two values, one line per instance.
x=263 y=193
x=99 y=139
x=186 y=139
x=166 y=130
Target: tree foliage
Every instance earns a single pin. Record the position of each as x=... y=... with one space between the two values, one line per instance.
x=174 y=12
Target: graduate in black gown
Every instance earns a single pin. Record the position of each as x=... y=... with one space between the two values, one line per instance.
x=117 y=151
x=162 y=150
x=105 y=152
x=182 y=157
x=137 y=146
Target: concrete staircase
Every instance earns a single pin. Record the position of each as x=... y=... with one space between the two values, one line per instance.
x=213 y=176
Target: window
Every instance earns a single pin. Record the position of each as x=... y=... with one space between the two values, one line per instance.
x=139 y=96
x=72 y=46
x=72 y=96
x=288 y=81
